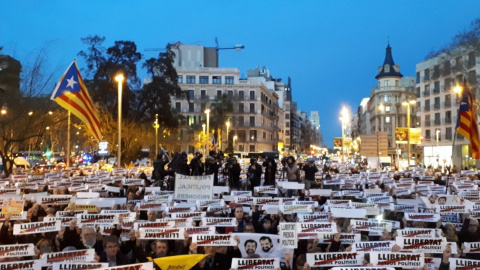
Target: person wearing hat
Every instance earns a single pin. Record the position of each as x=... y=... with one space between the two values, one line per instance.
x=254 y=173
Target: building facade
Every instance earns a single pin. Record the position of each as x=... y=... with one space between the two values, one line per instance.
x=438 y=103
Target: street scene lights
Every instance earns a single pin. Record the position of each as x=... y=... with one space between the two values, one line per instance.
x=235 y=138
x=3 y=111
x=207 y=112
x=228 y=128
x=119 y=78
x=408 y=103
x=156 y=126
x=344 y=118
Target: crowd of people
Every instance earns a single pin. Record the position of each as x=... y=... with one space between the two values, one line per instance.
x=337 y=203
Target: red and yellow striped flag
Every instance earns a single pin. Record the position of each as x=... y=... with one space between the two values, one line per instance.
x=467 y=122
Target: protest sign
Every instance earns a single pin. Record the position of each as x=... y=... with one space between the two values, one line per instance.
x=264 y=245
x=78 y=265
x=189 y=187
x=296 y=208
x=313 y=217
x=291 y=185
x=371 y=225
x=422 y=217
x=451 y=208
x=98 y=219
x=157 y=224
x=65 y=221
x=158 y=198
x=179 y=261
x=194 y=215
x=348 y=213
x=19 y=250
x=36 y=227
x=313 y=192
x=316 y=227
x=162 y=233
x=206 y=203
x=256 y=264
x=288 y=235
x=464 y=264
x=12 y=207
x=334 y=259
x=266 y=190
x=199 y=230
x=378 y=246
x=471 y=247
x=362 y=268
x=345 y=238
x=214 y=240
x=83 y=255
x=55 y=200
x=219 y=222
x=418 y=232
x=154 y=206
x=417 y=244
x=266 y=200
x=22 y=265
x=397 y=259
x=138 y=266
x=70 y=213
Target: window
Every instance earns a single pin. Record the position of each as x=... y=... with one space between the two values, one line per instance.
x=426 y=74
x=471 y=59
x=241 y=121
x=203 y=79
x=387 y=119
x=203 y=105
x=287 y=132
x=190 y=79
x=427 y=134
x=178 y=106
x=230 y=94
x=203 y=93
x=418 y=77
x=448 y=133
x=252 y=107
x=241 y=148
x=252 y=95
x=191 y=120
x=217 y=79
x=191 y=107
x=397 y=83
x=287 y=124
x=387 y=108
x=386 y=69
x=180 y=79
x=386 y=83
x=252 y=148
x=264 y=135
x=252 y=121
x=241 y=108
x=287 y=116
x=191 y=94
x=228 y=79
x=241 y=94
x=219 y=94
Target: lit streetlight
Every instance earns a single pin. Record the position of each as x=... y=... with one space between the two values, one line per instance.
x=228 y=128
x=408 y=103
x=344 y=117
x=235 y=138
x=119 y=78
x=207 y=112
x=156 y=126
x=203 y=127
x=3 y=111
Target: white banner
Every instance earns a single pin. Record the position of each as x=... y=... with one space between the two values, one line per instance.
x=162 y=233
x=256 y=264
x=422 y=217
x=19 y=250
x=291 y=209
x=138 y=266
x=377 y=246
x=288 y=235
x=83 y=255
x=334 y=259
x=98 y=219
x=313 y=217
x=214 y=240
x=426 y=245
x=371 y=225
x=22 y=265
x=36 y=227
x=65 y=221
x=219 y=222
x=316 y=227
x=78 y=265
x=348 y=213
x=397 y=259
x=464 y=264
x=418 y=232
x=189 y=187
x=55 y=200
x=471 y=247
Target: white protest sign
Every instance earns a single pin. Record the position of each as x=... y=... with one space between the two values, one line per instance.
x=348 y=213
x=157 y=224
x=422 y=217
x=316 y=227
x=83 y=255
x=313 y=217
x=193 y=215
x=78 y=265
x=65 y=221
x=461 y=264
x=345 y=238
x=155 y=206
x=288 y=235
x=219 y=221
x=19 y=250
x=334 y=259
x=98 y=219
x=417 y=232
x=137 y=266
x=378 y=246
x=36 y=227
x=471 y=247
x=290 y=209
x=397 y=259
x=22 y=265
x=371 y=225
x=55 y=200
x=200 y=230
x=291 y=185
x=188 y=187
x=256 y=264
x=162 y=233
x=214 y=240
x=427 y=245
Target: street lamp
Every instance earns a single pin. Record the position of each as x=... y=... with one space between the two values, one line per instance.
x=204 y=146
x=119 y=78
x=156 y=126
x=228 y=127
x=3 y=111
x=344 y=115
x=408 y=103
x=207 y=111
x=235 y=138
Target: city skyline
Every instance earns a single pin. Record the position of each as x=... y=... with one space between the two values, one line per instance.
x=331 y=50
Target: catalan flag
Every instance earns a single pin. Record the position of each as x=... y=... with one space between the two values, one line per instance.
x=71 y=93
x=467 y=122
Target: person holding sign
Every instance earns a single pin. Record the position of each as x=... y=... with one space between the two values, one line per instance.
x=254 y=174
x=293 y=173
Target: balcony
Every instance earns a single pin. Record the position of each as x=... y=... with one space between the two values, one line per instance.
x=447 y=121
x=426 y=93
x=436 y=106
x=436 y=90
x=426 y=108
x=436 y=122
x=447 y=104
x=427 y=123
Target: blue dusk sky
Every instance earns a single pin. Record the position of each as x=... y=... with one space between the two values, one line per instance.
x=330 y=49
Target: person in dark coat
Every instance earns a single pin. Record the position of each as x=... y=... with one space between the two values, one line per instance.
x=159 y=172
x=270 y=171
x=233 y=170
x=310 y=169
x=254 y=173
x=196 y=165
x=112 y=254
x=212 y=168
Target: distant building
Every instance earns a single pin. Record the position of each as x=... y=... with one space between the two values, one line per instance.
x=315 y=121
x=10 y=69
x=437 y=104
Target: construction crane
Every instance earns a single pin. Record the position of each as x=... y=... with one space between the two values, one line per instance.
x=237 y=47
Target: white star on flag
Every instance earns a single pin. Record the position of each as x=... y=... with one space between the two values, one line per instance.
x=71 y=82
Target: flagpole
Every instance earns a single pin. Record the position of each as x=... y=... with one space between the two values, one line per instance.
x=67 y=155
x=451 y=164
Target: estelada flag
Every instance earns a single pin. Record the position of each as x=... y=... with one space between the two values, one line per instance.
x=180 y=261
x=467 y=122
x=71 y=93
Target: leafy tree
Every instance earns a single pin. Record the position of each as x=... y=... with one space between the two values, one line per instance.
x=155 y=97
x=219 y=111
